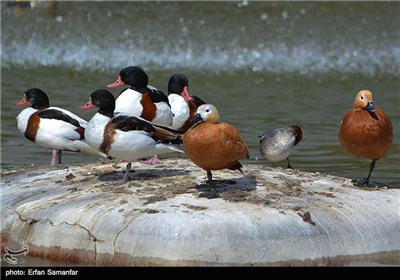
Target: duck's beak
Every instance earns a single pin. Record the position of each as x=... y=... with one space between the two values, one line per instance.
x=117 y=83
x=23 y=102
x=87 y=106
x=197 y=118
x=370 y=108
x=185 y=94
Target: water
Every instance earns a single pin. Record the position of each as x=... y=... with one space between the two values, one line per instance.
x=263 y=64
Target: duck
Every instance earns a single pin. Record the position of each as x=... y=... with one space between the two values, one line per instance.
x=125 y=137
x=140 y=99
x=278 y=144
x=52 y=127
x=212 y=144
x=366 y=132
x=183 y=106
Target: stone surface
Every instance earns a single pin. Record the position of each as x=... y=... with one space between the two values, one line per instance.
x=167 y=216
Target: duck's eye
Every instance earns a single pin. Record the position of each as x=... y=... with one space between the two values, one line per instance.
x=208 y=110
x=362 y=97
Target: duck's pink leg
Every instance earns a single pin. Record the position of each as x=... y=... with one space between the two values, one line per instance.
x=56 y=157
x=153 y=160
x=126 y=175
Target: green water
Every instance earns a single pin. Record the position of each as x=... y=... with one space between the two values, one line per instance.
x=264 y=65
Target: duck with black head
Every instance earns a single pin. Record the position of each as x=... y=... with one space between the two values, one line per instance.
x=142 y=100
x=52 y=127
x=123 y=136
x=183 y=106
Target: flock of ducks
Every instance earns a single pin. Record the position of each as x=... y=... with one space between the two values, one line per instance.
x=144 y=122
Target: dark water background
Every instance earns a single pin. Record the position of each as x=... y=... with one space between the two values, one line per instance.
x=263 y=64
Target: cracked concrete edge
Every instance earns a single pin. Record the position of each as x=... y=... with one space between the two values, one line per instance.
x=119 y=232
x=32 y=221
x=100 y=246
x=113 y=233
x=33 y=233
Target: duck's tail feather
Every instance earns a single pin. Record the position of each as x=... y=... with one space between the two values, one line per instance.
x=237 y=166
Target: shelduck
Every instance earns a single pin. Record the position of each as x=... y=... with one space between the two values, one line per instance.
x=140 y=99
x=125 y=137
x=52 y=127
x=183 y=106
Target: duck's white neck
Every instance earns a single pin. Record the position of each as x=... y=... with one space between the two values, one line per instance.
x=129 y=102
x=94 y=132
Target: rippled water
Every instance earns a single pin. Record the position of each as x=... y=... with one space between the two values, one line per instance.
x=263 y=64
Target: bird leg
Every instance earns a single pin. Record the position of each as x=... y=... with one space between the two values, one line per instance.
x=56 y=157
x=126 y=175
x=365 y=182
x=288 y=164
x=371 y=167
x=209 y=176
x=153 y=160
x=213 y=193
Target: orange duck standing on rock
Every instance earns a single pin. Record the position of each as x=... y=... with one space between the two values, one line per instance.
x=366 y=132
x=214 y=145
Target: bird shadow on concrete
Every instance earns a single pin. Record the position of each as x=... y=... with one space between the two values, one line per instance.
x=225 y=187
x=142 y=174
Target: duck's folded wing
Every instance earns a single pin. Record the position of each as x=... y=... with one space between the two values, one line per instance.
x=81 y=121
x=59 y=115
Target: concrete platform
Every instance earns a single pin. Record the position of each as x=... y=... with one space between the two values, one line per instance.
x=167 y=216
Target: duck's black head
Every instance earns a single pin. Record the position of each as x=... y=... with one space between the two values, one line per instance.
x=104 y=100
x=135 y=77
x=38 y=98
x=177 y=83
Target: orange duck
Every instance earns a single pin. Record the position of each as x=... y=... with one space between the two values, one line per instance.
x=213 y=145
x=366 y=132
